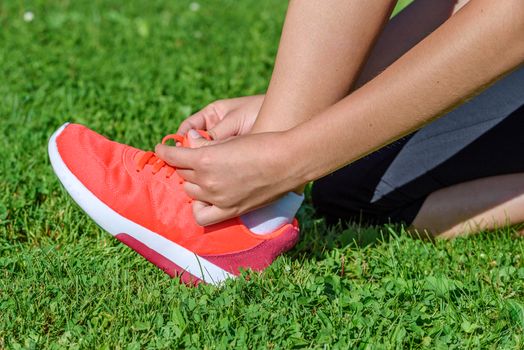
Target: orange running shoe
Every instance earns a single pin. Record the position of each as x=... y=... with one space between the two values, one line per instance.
x=139 y=199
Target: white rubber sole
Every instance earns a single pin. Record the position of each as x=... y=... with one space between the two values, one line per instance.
x=115 y=223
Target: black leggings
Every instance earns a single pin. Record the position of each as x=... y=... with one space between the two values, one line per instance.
x=481 y=138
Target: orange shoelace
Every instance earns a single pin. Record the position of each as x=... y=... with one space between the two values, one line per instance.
x=150 y=158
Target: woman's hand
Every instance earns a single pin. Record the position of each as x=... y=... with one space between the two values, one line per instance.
x=225 y=118
x=229 y=178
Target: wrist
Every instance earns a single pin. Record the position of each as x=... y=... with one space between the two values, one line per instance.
x=294 y=158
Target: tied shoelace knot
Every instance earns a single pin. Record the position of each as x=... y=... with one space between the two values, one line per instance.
x=150 y=158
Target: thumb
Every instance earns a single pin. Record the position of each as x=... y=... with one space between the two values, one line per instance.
x=196 y=140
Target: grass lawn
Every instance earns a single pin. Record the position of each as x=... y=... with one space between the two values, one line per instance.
x=133 y=70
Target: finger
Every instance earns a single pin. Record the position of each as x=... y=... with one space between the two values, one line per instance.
x=204 y=119
x=188 y=175
x=196 y=140
x=194 y=191
x=206 y=214
x=196 y=121
x=179 y=157
x=228 y=127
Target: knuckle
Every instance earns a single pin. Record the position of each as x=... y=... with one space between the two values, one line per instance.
x=210 y=108
x=210 y=185
x=170 y=158
x=207 y=114
x=222 y=201
x=235 y=211
x=217 y=108
x=205 y=160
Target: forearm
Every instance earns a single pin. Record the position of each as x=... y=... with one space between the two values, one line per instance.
x=472 y=49
x=322 y=48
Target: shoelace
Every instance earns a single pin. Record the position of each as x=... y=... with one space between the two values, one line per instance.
x=150 y=158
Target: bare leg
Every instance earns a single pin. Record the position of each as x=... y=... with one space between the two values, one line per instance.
x=466 y=208
x=322 y=49
x=320 y=60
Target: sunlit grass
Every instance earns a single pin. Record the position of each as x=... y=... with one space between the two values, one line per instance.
x=132 y=70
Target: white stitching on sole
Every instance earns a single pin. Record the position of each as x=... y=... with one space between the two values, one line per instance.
x=115 y=223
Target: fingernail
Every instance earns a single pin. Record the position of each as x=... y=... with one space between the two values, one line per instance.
x=194 y=134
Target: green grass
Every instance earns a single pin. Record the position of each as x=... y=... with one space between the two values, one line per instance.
x=132 y=71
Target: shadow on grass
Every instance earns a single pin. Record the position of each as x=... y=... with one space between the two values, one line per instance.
x=317 y=237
